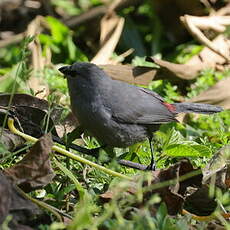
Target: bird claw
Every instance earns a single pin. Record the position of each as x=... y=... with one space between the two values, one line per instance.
x=151 y=167
x=94 y=152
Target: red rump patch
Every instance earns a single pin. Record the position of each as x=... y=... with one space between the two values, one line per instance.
x=170 y=107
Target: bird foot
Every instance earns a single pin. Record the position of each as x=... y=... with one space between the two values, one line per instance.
x=151 y=167
x=94 y=152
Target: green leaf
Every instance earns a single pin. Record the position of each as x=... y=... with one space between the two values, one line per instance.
x=173 y=137
x=45 y=39
x=186 y=150
x=6 y=84
x=58 y=30
x=74 y=52
x=71 y=48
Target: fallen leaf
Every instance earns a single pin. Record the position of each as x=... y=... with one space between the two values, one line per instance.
x=30 y=101
x=205 y=59
x=12 y=203
x=219 y=94
x=5 y=198
x=37 y=84
x=10 y=141
x=31 y=112
x=34 y=170
x=216 y=23
x=172 y=195
x=127 y=73
x=172 y=71
x=111 y=29
x=200 y=203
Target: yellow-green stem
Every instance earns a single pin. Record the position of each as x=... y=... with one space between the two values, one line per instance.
x=66 y=153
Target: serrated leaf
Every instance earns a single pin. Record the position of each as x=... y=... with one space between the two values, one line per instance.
x=173 y=137
x=185 y=150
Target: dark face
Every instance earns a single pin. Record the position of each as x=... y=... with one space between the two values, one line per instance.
x=78 y=68
x=84 y=71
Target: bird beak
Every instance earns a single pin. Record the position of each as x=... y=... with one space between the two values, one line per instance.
x=65 y=70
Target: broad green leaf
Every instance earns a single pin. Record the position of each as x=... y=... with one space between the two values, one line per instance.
x=173 y=137
x=186 y=150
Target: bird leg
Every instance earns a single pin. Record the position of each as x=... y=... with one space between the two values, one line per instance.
x=152 y=165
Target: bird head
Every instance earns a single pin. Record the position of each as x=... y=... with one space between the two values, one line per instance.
x=83 y=69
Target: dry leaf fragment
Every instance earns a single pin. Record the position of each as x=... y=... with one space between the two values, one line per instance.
x=207 y=58
x=12 y=203
x=5 y=198
x=200 y=203
x=31 y=112
x=111 y=28
x=172 y=71
x=34 y=170
x=131 y=74
x=10 y=140
x=218 y=23
x=173 y=196
x=219 y=94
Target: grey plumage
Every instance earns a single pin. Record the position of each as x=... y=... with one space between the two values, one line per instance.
x=116 y=113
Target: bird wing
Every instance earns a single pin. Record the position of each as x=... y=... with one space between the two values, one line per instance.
x=136 y=105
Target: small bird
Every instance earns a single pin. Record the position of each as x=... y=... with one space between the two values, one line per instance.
x=118 y=114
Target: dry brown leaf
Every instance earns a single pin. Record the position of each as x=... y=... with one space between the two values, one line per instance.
x=67 y=125
x=169 y=70
x=173 y=196
x=111 y=28
x=10 y=141
x=200 y=203
x=108 y=24
x=134 y=75
x=31 y=111
x=208 y=58
x=205 y=59
x=34 y=170
x=12 y=203
x=37 y=84
x=5 y=198
x=217 y=23
x=219 y=94
x=35 y=27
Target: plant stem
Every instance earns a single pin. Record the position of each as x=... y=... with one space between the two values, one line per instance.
x=66 y=153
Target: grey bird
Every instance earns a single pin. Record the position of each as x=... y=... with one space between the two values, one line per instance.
x=116 y=113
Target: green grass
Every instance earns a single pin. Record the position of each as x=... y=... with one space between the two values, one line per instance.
x=76 y=187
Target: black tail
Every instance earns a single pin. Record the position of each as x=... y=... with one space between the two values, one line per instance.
x=187 y=107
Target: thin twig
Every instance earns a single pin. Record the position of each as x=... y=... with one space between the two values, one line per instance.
x=97 y=12
x=132 y=165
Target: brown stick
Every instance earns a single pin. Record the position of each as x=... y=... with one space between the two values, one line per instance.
x=12 y=40
x=97 y=12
